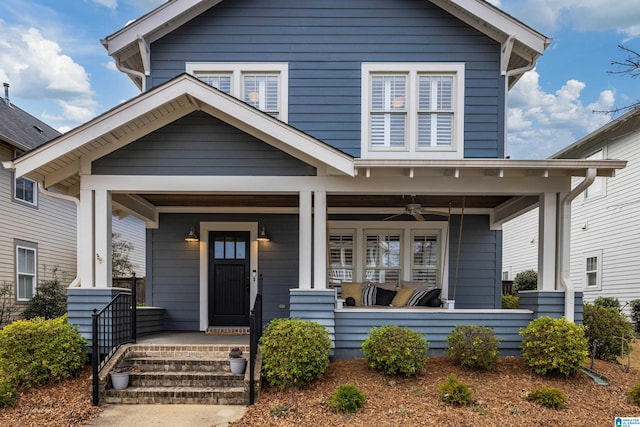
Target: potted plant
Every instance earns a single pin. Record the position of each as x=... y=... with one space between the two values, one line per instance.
x=120 y=375
x=237 y=362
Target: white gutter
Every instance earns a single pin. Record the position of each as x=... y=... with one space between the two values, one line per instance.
x=564 y=235
x=76 y=281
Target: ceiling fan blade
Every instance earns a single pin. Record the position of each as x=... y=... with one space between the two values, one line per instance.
x=393 y=216
x=418 y=216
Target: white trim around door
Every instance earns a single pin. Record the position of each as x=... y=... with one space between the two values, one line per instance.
x=205 y=228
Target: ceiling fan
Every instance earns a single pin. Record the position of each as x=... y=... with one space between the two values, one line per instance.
x=417 y=211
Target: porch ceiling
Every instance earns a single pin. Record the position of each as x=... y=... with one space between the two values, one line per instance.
x=333 y=200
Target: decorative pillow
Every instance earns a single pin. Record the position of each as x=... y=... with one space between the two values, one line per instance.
x=350 y=302
x=369 y=295
x=415 y=285
x=384 y=296
x=390 y=286
x=431 y=298
x=402 y=297
x=352 y=290
x=416 y=297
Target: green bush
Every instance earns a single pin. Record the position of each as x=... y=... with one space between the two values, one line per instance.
x=634 y=394
x=635 y=313
x=549 y=397
x=395 y=350
x=455 y=392
x=610 y=302
x=348 y=398
x=474 y=346
x=510 y=301
x=49 y=302
x=8 y=392
x=294 y=352
x=525 y=281
x=38 y=350
x=606 y=325
x=554 y=346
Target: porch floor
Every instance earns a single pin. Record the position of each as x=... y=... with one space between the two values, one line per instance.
x=192 y=338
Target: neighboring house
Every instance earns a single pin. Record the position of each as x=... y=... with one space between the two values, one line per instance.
x=315 y=122
x=37 y=231
x=605 y=249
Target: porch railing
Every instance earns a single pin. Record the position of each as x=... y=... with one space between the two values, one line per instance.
x=255 y=329
x=111 y=327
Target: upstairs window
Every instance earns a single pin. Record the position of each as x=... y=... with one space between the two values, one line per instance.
x=25 y=191
x=263 y=86
x=412 y=110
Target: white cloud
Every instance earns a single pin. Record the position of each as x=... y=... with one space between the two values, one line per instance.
x=111 y=4
x=540 y=123
x=581 y=15
x=37 y=69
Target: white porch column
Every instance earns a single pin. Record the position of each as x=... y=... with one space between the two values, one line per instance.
x=86 y=254
x=305 y=244
x=102 y=239
x=320 y=240
x=547 y=232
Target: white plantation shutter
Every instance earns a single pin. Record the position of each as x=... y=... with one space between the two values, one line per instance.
x=435 y=111
x=388 y=111
x=383 y=257
x=261 y=91
x=424 y=263
x=221 y=82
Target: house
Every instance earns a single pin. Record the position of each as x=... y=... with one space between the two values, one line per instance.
x=365 y=139
x=38 y=226
x=604 y=247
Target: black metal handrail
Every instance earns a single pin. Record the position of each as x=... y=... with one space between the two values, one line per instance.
x=111 y=327
x=255 y=330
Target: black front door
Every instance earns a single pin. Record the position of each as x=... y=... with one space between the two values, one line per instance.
x=229 y=288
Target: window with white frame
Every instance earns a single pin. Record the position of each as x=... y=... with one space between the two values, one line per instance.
x=26 y=268
x=597 y=187
x=593 y=269
x=359 y=252
x=412 y=110
x=25 y=191
x=261 y=85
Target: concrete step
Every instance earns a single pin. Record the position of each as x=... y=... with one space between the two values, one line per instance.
x=178 y=395
x=185 y=379
x=180 y=364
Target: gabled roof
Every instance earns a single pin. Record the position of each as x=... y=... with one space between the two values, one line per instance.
x=522 y=45
x=21 y=130
x=623 y=125
x=59 y=161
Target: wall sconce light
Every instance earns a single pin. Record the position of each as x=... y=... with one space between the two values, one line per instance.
x=262 y=236
x=192 y=236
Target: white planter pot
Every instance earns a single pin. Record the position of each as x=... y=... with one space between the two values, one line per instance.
x=119 y=380
x=451 y=304
x=238 y=365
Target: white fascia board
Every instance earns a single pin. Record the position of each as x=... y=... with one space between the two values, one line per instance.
x=157 y=23
x=99 y=126
x=525 y=185
x=137 y=206
x=495 y=18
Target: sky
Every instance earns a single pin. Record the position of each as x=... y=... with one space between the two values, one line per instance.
x=51 y=55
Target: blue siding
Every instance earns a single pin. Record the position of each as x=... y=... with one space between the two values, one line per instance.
x=316 y=305
x=200 y=145
x=550 y=303
x=174 y=275
x=80 y=305
x=324 y=42
x=479 y=284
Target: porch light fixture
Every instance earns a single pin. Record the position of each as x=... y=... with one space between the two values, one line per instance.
x=262 y=237
x=192 y=236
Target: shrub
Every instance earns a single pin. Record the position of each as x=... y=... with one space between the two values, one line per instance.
x=525 y=281
x=607 y=325
x=554 y=346
x=473 y=346
x=294 y=352
x=8 y=392
x=49 y=302
x=395 y=350
x=635 y=313
x=549 y=397
x=38 y=350
x=348 y=398
x=510 y=301
x=610 y=302
x=634 y=394
x=455 y=392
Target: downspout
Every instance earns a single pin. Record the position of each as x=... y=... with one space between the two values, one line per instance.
x=76 y=281
x=565 y=220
